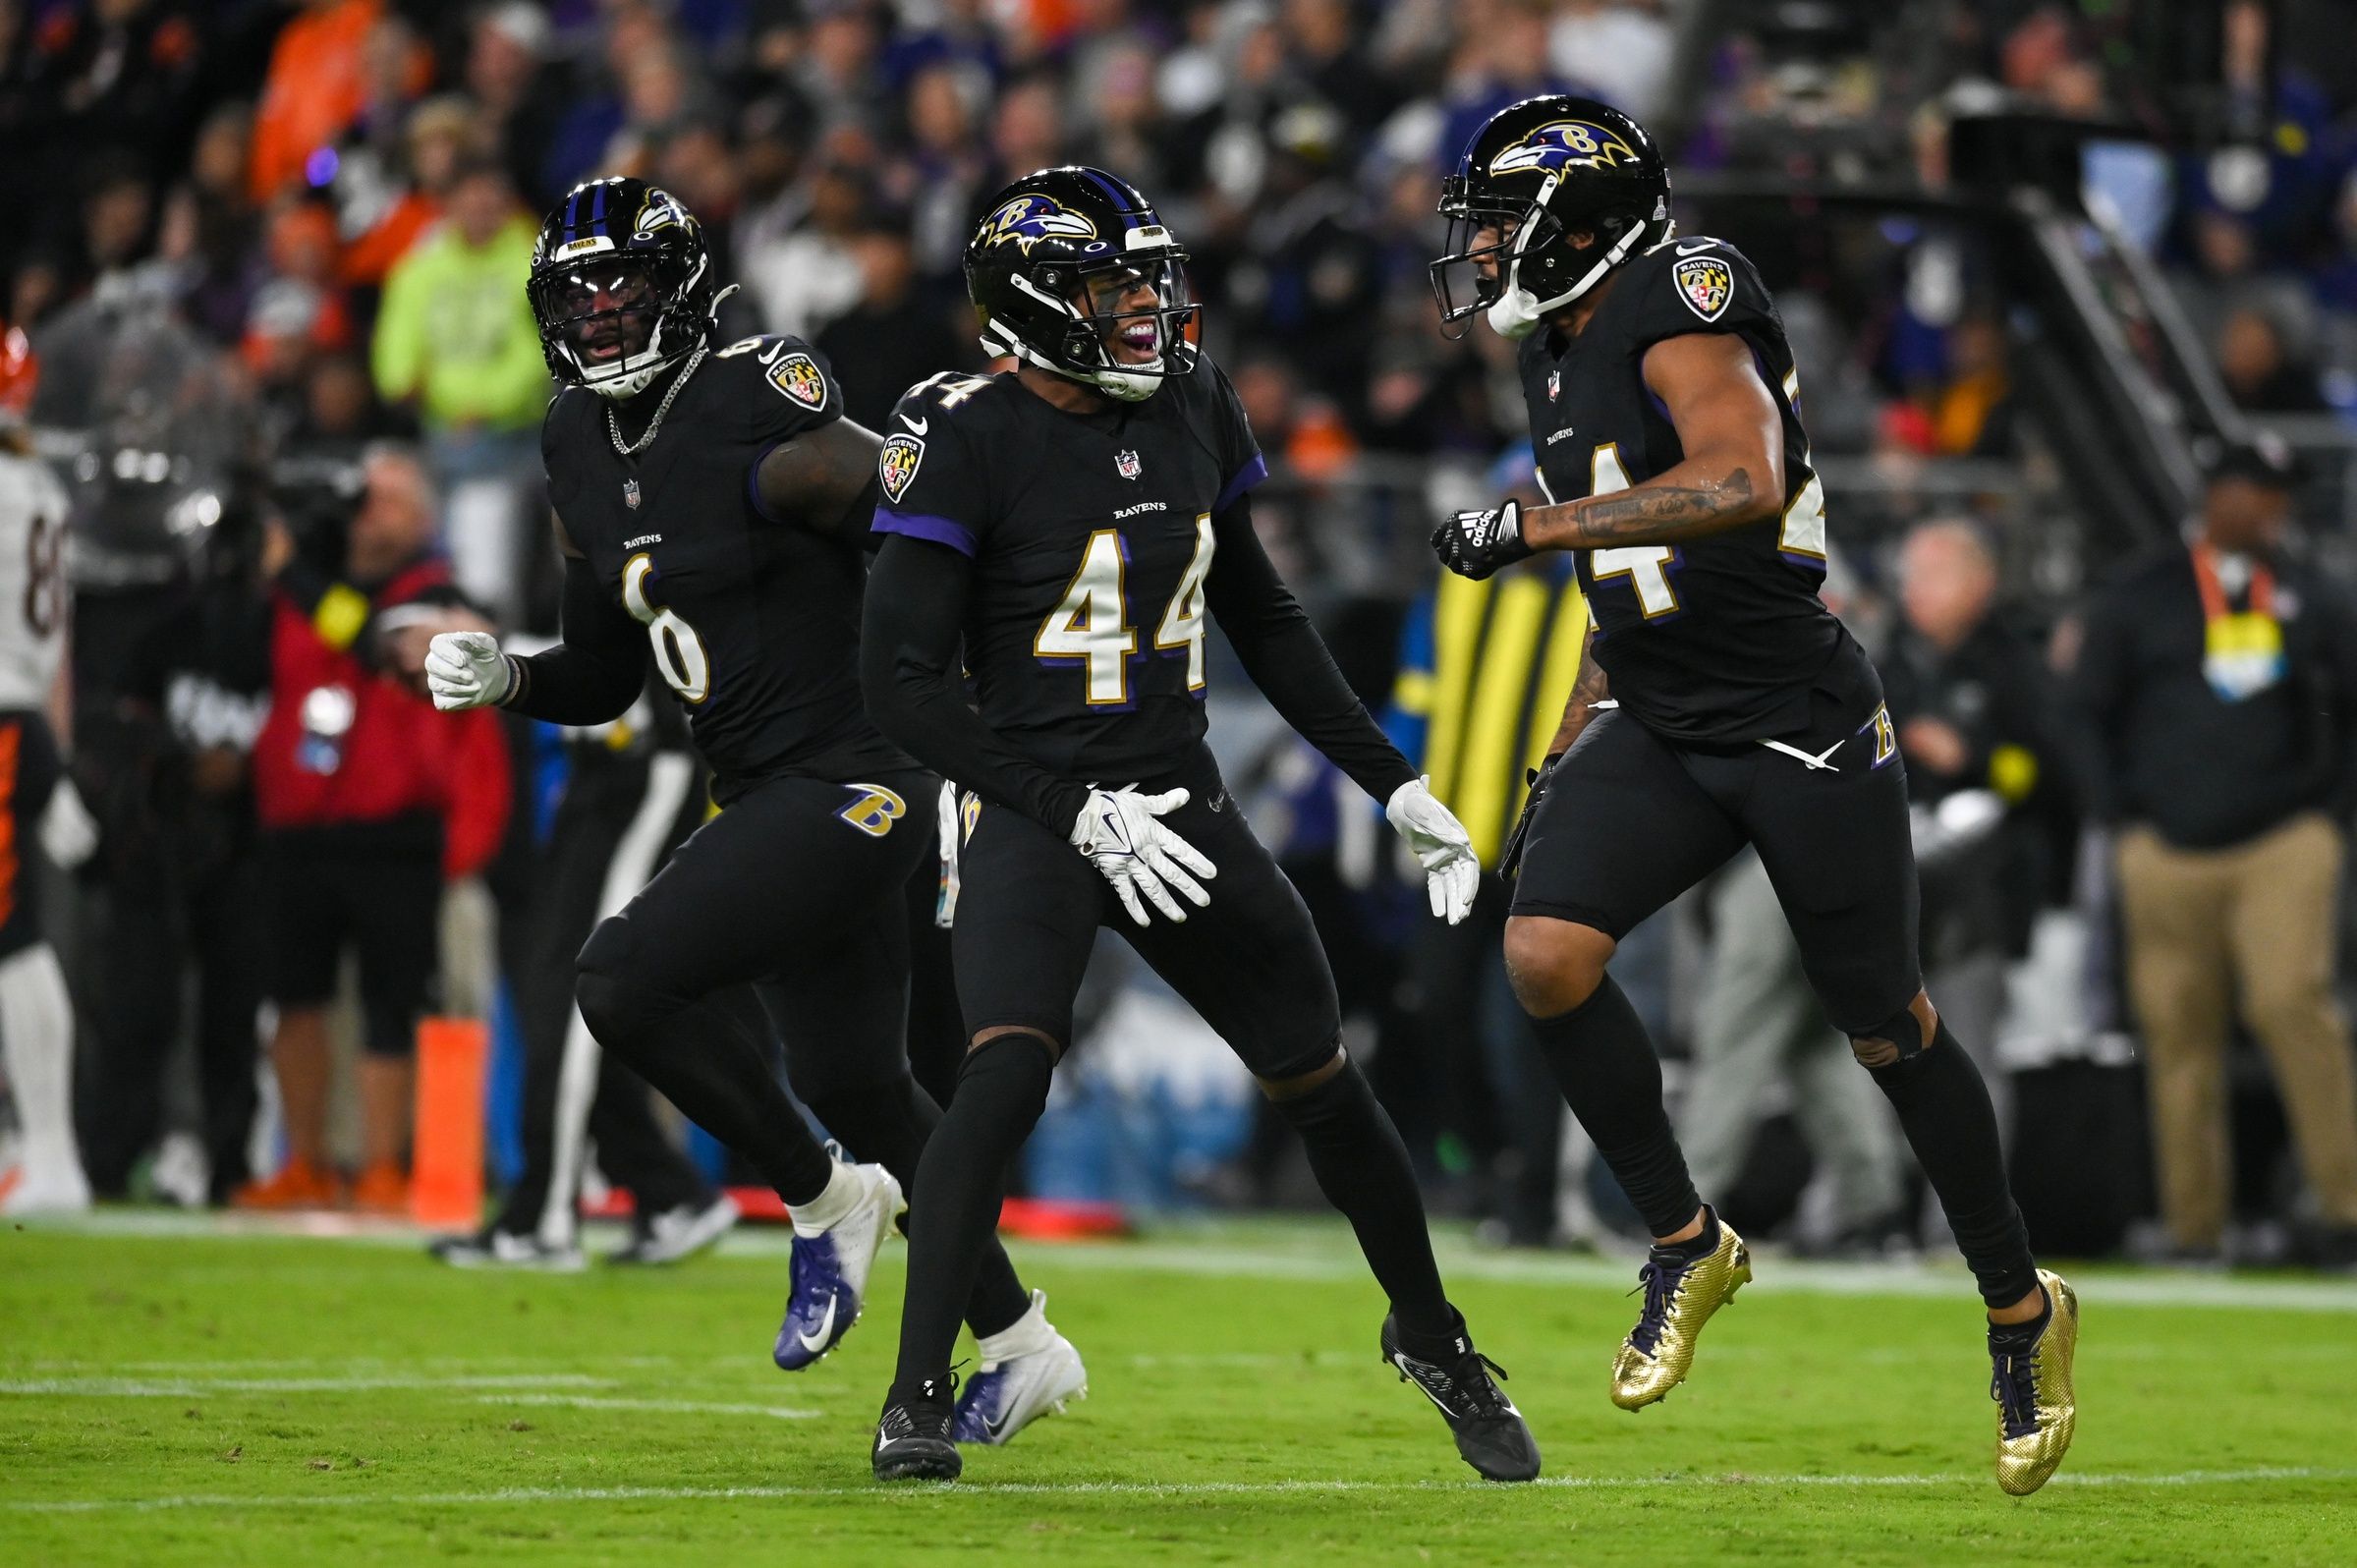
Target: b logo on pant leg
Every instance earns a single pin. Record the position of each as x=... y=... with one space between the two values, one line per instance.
x=873 y=811
x=1886 y=739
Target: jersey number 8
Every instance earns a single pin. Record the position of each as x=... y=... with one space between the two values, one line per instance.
x=678 y=651
x=1089 y=626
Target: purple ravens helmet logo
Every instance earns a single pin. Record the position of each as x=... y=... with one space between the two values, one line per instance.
x=1027 y=219
x=661 y=210
x=1561 y=144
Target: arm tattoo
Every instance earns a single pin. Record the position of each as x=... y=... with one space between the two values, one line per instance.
x=1588 y=689
x=824 y=479
x=1651 y=514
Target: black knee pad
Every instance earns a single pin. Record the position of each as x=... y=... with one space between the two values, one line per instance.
x=1342 y=1100
x=1897 y=1039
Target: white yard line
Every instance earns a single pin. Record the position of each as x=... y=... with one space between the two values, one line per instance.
x=667 y=1407
x=1125 y=1489
x=195 y=1387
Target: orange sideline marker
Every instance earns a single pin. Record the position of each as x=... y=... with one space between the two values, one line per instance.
x=446 y=1175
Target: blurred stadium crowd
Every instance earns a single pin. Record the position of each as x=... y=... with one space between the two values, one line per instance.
x=268 y=256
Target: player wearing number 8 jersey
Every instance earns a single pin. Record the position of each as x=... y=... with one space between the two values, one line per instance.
x=710 y=504
x=1720 y=703
x=1077 y=523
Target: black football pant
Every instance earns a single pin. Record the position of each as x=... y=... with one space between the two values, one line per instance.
x=798 y=888
x=1029 y=910
x=620 y=816
x=1629 y=820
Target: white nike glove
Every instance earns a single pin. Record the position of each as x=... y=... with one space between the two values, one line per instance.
x=1452 y=874
x=1119 y=832
x=464 y=669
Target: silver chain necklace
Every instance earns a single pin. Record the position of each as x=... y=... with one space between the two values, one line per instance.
x=613 y=425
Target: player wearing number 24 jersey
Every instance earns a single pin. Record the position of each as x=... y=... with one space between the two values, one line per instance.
x=1720 y=703
x=1075 y=524
x=710 y=503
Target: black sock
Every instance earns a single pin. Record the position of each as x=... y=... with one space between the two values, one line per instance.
x=1944 y=1109
x=1002 y=1087
x=705 y=1059
x=1702 y=1244
x=1363 y=1168
x=889 y=1124
x=1612 y=1081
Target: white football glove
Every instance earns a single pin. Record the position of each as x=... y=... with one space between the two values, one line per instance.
x=1119 y=832
x=464 y=669
x=1452 y=874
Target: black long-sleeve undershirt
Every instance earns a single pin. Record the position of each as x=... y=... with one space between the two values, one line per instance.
x=595 y=673
x=908 y=672
x=1281 y=650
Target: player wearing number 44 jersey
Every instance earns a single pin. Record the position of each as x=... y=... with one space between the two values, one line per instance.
x=710 y=506
x=1720 y=703
x=1078 y=521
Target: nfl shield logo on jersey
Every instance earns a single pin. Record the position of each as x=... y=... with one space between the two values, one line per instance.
x=1128 y=465
x=1706 y=283
x=1555 y=386
x=799 y=378
x=897 y=464
x=630 y=494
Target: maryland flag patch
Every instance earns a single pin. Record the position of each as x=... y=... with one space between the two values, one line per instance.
x=1707 y=284
x=799 y=378
x=896 y=465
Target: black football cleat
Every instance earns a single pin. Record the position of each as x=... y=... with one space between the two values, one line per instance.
x=1491 y=1434
x=912 y=1441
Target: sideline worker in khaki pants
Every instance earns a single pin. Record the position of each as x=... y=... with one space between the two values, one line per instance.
x=2219 y=684
x=2254 y=924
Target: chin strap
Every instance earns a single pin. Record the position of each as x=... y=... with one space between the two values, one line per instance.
x=1516 y=312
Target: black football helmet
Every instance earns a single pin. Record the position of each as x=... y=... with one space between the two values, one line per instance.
x=1030 y=268
x=1536 y=171
x=639 y=249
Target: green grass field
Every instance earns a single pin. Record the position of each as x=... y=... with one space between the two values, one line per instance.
x=194 y=1397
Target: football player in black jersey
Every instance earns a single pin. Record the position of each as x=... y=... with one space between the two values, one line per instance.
x=711 y=506
x=1075 y=523
x=1720 y=703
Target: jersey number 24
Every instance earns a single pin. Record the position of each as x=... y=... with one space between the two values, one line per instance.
x=1091 y=627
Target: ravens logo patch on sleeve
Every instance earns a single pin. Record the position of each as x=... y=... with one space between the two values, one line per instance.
x=1706 y=283
x=896 y=465
x=799 y=378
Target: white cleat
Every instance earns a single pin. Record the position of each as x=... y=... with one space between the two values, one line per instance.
x=1028 y=1371
x=26 y=1195
x=831 y=1270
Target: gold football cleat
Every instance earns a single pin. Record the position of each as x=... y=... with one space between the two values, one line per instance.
x=1678 y=1300
x=2037 y=1412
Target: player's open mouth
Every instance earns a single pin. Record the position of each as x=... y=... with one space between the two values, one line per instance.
x=1139 y=341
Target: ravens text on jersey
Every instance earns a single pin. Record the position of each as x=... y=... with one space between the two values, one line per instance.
x=753 y=625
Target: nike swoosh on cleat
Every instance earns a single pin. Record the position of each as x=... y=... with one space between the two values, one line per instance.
x=1401 y=1361
x=817 y=1342
x=993 y=1427
x=920 y=426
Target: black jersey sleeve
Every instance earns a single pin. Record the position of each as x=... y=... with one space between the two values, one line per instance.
x=787 y=387
x=910 y=676
x=934 y=484
x=1701 y=285
x=596 y=672
x=1241 y=463
x=1288 y=660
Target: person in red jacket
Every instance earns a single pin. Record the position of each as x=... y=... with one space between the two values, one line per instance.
x=368 y=801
